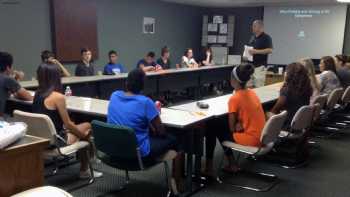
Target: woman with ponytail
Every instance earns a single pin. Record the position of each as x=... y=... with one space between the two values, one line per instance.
x=244 y=123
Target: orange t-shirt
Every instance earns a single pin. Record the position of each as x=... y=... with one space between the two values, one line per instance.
x=250 y=115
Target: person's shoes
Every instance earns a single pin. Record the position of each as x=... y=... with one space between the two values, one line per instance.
x=86 y=174
x=210 y=177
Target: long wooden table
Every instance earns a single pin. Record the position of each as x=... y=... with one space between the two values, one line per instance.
x=166 y=80
x=22 y=165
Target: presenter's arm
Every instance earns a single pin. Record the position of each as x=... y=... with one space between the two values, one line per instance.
x=260 y=51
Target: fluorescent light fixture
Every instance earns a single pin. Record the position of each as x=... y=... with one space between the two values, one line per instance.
x=343 y=1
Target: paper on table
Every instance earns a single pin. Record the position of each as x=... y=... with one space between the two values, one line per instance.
x=10 y=133
x=246 y=53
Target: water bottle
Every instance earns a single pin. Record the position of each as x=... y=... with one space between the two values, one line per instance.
x=68 y=91
x=158 y=106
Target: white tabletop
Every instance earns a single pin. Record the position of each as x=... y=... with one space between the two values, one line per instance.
x=98 y=107
x=169 y=117
x=177 y=116
x=218 y=106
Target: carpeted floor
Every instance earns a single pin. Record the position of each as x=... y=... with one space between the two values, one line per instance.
x=327 y=175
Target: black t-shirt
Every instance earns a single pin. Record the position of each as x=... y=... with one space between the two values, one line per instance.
x=85 y=70
x=163 y=64
x=40 y=108
x=8 y=85
x=263 y=41
x=344 y=76
x=292 y=105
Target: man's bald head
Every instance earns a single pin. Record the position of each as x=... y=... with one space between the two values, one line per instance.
x=258 y=27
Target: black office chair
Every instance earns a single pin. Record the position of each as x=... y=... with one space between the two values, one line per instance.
x=296 y=148
x=343 y=110
x=326 y=125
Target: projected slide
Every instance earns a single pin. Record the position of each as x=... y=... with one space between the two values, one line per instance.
x=308 y=31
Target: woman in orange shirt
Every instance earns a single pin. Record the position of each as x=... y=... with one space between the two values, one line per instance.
x=246 y=119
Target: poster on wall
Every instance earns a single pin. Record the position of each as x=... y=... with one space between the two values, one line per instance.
x=223 y=28
x=218 y=19
x=212 y=39
x=222 y=39
x=149 y=24
x=212 y=27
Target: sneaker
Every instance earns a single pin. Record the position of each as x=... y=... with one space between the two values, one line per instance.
x=86 y=174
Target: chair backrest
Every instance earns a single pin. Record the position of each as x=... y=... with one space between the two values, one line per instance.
x=334 y=97
x=321 y=100
x=39 y=125
x=303 y=118
x=115 y=141
x=272 y=129
x=346 y=96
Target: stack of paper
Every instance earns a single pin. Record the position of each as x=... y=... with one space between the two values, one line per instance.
x=246 y=53
x=10 y=133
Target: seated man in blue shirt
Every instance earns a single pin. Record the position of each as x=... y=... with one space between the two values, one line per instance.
x=148 y=63
x=113 y=67
x=131 y=109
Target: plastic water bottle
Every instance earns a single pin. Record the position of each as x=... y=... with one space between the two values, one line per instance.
x=159 y=106
x=68 y=91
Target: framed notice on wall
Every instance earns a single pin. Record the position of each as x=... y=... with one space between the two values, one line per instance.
x=212 y=27
x=223 y=28
x=218 y=19
x=149 y=24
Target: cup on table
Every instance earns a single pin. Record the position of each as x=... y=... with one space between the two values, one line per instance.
x=158 y=106
x=280 y=70
x=99 y=73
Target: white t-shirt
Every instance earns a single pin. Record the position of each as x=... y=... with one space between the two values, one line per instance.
x=186 y=61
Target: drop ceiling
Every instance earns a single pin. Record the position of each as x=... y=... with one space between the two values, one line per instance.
x=239 y=3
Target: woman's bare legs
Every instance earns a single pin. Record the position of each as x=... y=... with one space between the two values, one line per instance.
x=85 y=129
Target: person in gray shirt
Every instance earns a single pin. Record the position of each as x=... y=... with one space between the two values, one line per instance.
x=328 y=78
x=9 y=85
x=342 y=70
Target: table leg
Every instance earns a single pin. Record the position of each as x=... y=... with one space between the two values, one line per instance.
x=189 y=170
x=194 y=149
x=198 y=158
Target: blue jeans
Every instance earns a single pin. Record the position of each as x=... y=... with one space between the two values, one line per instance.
x=159 y=145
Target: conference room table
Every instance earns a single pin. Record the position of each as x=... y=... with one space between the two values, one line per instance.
x=102 y=86
x=184 y=117
x=218 y=106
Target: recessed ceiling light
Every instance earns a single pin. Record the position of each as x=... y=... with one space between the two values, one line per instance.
x=343 y=1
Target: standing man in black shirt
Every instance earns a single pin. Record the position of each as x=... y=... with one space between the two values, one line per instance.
x=262 y=47
x=85 y=67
